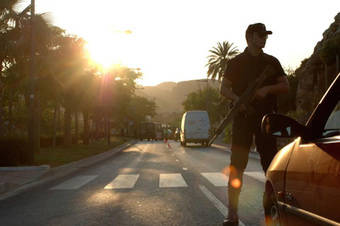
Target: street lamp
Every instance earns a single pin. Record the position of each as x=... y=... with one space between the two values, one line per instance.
x=32 y=130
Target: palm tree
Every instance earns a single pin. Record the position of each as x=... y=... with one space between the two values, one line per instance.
x=8 y=22
x=219 y=58
x=15 y=51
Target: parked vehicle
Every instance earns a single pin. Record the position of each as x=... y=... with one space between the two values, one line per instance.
x=159 y=131
x=147 y=130
x=303 y=180
x=195 y=128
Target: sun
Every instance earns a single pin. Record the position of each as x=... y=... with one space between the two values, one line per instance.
x=108 y=49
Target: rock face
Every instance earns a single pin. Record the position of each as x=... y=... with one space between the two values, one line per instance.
x=317 y=72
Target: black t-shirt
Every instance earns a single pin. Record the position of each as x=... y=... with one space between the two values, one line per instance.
x=243 y=69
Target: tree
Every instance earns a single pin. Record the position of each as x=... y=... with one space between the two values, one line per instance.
x=7 y=26
x=207 y=99
x=123 y=87
x=219 y=58
x=16 y=30
x=139 y=107
x=287 y=102
x=63 y=75
x=71 y=69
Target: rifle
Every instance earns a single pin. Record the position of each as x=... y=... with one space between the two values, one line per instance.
x=245 y=99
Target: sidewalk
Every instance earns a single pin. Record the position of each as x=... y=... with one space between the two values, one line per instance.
x=15 y=180
x=12 y=177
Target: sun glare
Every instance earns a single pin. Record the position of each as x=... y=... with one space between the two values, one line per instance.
x=107 y=50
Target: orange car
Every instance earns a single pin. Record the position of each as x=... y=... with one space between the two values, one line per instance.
x=303 y=180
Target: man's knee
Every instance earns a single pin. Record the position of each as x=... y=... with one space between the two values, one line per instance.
x=239 y=157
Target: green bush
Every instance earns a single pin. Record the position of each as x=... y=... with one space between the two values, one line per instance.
x=47 y=141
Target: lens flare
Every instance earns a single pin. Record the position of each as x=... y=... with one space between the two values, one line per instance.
x=236 y=183
x=231 y=171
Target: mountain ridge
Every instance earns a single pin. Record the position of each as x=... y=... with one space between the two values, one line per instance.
x=169 y=96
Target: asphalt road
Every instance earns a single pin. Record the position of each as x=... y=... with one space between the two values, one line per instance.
x=150 y=183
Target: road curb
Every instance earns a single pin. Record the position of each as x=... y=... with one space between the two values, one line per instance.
x=64 y=170
x=24 y=168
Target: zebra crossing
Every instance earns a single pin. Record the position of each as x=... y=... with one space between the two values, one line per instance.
x=166 y=180
x=217 y=179
x=123 y=182
x=172 y=180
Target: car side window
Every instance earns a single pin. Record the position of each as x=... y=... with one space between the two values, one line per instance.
x=332 y=127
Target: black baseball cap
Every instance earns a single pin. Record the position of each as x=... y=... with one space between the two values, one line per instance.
x=258 y=28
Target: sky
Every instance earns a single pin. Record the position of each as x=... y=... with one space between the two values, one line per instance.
x=169 y=40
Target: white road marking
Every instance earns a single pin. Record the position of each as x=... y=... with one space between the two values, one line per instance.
x=217 y=179
x=74 y=183
x=258 y=175
x=171 y=180
x=123 y=181
x=217 y=203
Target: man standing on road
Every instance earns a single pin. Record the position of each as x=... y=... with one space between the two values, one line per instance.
x=241 y=71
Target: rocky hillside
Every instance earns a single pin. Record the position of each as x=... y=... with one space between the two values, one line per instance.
x=170 y=95
x=318 y=71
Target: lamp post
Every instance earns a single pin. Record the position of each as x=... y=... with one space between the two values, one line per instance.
x=32 y=130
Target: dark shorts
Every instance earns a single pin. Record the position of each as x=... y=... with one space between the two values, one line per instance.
x=243 y=130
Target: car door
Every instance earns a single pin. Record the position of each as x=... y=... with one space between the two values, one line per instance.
x=299 y=187
x=327 y=176
x=313 y=172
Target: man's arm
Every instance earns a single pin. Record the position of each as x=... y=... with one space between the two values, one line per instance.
x=281 y=87
x=225 y=90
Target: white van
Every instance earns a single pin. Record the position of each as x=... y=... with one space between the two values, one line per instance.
x=195 y=128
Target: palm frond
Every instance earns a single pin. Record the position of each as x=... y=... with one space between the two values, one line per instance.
x=219 y=58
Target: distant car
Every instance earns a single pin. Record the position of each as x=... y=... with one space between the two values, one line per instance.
x=147 y=130
x=195 y=128
x=159 y=131
x=303 y=180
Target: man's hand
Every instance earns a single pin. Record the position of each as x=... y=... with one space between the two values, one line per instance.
x=242 y=106
x=281 y=87
x=261 y=93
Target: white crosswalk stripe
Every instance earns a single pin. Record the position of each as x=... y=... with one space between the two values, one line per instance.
x=258 y=175
x=166 y=180
x=123 y=182
x=74 y=183
x=171 y=180
x=217 y=179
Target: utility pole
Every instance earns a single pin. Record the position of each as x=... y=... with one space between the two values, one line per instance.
x=31 y=127
x=207 y=101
